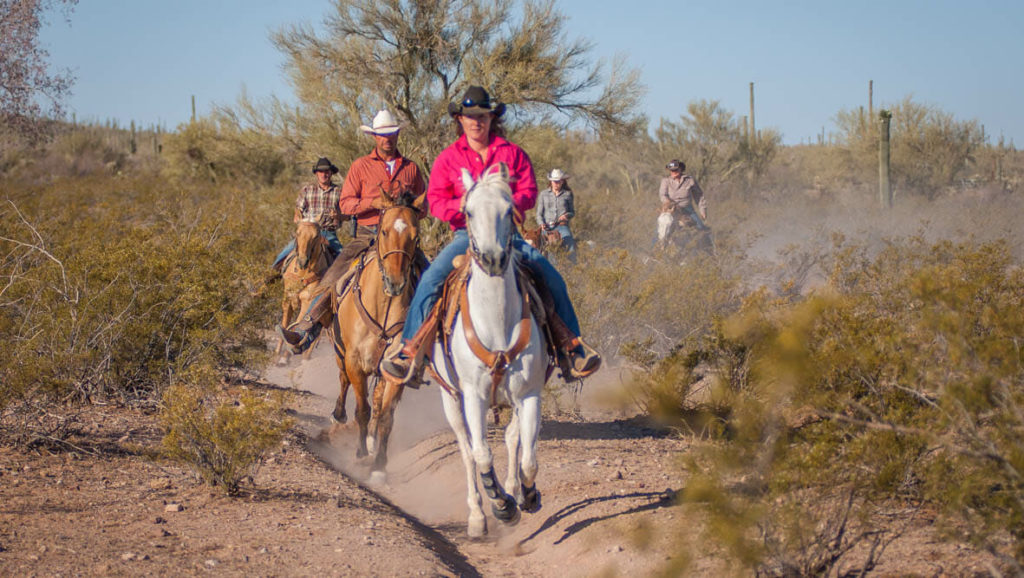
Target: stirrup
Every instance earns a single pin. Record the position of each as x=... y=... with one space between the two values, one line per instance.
x=299 y=339
x=398 y=369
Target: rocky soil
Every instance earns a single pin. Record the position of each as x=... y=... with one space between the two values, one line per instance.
x=103 y=504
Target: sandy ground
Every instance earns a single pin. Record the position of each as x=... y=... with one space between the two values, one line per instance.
x=107 y=506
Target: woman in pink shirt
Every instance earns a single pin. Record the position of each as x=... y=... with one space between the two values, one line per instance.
x=480 y=145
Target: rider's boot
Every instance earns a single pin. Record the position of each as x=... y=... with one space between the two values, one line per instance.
x=403 y=364
x=301 y=334
x=575 y=355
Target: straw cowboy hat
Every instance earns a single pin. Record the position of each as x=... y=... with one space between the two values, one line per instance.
x=476 y=101
x=384 y=124
x=557 y=175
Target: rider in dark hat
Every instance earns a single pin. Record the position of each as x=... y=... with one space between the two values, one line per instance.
x=317 y=202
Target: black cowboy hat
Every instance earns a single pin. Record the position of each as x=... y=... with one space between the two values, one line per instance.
x=476 y=101
x=676 y=165
x=324 y=164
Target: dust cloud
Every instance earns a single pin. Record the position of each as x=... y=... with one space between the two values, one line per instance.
x=426 y=476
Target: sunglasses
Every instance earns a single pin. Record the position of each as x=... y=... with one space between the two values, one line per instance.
x=471 y=103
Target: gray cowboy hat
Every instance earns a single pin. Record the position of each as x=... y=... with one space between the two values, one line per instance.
x=476 y=101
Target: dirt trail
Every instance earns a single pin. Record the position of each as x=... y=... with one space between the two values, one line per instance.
x=607 y=482
x=106 y=505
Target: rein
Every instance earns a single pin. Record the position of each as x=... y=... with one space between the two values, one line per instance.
x=408 y=255
x=309 y=274
x=385 y=333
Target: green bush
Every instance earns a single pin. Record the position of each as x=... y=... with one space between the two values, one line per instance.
x=901 y=383
x=219 y=149
x=222 y=438
x=115 y=288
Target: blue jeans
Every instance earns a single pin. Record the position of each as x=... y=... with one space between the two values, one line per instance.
x=568 y=242
x=330 y=236
x=694 y=216
x=429 y=289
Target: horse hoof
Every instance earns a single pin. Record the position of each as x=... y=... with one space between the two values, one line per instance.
x=378 y=479
x=508 y=513
x=338 y=418
x=477 y=529
x=531 y=500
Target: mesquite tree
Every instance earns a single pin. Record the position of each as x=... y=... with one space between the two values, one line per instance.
x=415 y=56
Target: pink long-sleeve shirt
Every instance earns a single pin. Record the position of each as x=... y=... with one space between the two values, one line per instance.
x=444 y=192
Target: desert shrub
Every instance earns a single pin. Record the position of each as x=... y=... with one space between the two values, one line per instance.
x=222 y=149
x=113 y=289
x=224 y=439
x=900 y=385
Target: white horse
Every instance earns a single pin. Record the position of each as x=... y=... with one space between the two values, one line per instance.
x=665 y=222
x=499 y=320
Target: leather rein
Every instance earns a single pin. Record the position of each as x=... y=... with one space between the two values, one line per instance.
x=385 y=333
x=310 y=275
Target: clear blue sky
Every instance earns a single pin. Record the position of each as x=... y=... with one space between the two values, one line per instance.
x=142 y=60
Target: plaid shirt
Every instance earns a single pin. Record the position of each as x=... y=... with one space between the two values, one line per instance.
x=317 y=204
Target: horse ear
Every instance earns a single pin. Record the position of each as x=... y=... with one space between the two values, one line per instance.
x=503 y=169
x=420 y=202
x=387 y=197
x=467 y=180
x=379 y=203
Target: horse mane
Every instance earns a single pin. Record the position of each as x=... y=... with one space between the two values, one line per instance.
x=404 y=198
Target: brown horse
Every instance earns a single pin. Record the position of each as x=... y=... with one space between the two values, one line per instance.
x=542 y=240
x=301 y=274
x=370 y=315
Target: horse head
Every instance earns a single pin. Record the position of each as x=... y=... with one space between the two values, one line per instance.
x=307 y=240
x=488 y=207
x=534 y=237
x=398 y=237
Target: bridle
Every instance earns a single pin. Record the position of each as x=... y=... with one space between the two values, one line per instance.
x=474 y=248
x=408 y=255
x=315 y=250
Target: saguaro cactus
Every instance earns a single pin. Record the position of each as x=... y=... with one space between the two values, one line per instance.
x=871 y=98
x=884 y=186
x=753 y=129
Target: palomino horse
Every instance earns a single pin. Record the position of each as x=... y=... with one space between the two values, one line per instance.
x=301 y=275
x=369 y=316
x=497 y=356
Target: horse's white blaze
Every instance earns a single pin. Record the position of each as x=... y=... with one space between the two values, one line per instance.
x=400 y=225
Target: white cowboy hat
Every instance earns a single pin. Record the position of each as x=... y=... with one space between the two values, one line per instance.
x=383 y=125
x=557 y=175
